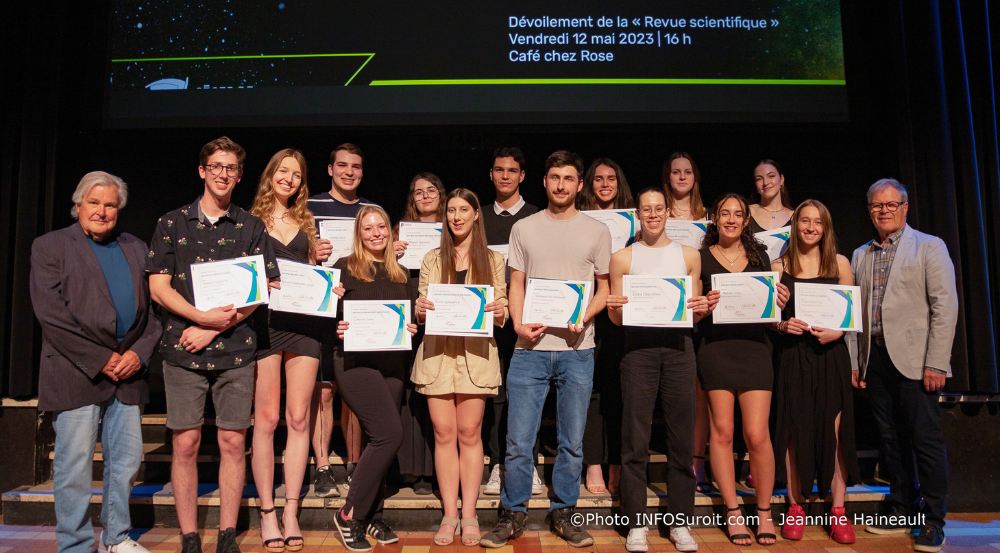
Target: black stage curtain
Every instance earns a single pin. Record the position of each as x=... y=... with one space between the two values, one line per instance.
x=947 y=129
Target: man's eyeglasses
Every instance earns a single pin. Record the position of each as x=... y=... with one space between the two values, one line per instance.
x=891 y=207
x=429 y=194
x=647 y=211
x=215 y=169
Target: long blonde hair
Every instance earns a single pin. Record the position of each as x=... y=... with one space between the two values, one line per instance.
x=697 y=206
x=263 y=203
x=361 y=263
x=828 y=267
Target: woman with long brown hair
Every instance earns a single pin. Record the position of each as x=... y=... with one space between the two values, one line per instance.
x=456 y=373
x=770 y=203
x=813 y=407
x=371 y=382
x=423 y=204
x=290 y=341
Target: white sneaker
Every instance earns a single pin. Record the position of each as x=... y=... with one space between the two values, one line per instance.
x=127 y=546
x=636 y=540
x=681 y=536
x=536 y=483
x=493 y=484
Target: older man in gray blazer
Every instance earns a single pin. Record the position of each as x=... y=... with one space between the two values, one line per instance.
x=910 y=310
x=91 y=297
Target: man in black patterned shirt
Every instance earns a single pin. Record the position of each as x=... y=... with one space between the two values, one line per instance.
x=207 y=349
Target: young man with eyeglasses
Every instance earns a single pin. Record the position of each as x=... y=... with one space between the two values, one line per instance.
x=207 y=349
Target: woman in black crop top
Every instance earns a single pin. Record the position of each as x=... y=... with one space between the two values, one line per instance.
x=770 y=204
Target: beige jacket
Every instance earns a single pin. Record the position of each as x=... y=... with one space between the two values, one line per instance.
x=445 y=352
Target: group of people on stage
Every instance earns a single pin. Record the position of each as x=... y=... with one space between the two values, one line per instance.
x=105 y=301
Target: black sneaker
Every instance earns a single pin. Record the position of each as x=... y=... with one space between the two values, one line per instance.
x=930 y=540
x=564 y=526
x=510 y=526
x=227 y=541
x=191 y=543
x=894 y=521
x=325 y=485
x=379 y=530
x=352 y=532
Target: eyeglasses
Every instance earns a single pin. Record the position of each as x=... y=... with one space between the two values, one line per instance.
x=891 y=207
x=215 y=169
x=647 y=211
x=429 y=194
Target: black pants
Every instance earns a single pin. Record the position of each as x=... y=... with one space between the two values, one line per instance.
x=376 y=401
x=601 y=440
x=667 y=374
x=913 y=446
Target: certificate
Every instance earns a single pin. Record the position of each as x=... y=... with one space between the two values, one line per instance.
x=377 y=325
x=340 y=233
x=776 y=241
x=746 y=298
x=239 y=281
x=502 y=249
x=422 y=238
x=459 y=310
x=306 y=289
x=828 y=306
x=688 y=233
x=555 y=303
x=657 y=301
x=622 y=223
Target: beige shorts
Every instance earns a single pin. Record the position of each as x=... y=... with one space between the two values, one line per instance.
x=454 y=381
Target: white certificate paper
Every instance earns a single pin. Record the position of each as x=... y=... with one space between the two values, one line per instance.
x=240 y=281
x=306 y=289
x=555 y=303
x=422 y=238
x=622 y=223
x=459 y=310
x=340 y=233
x=746 y=298
x=688 y=233
x=776 y=241
x=377 y=325
x=502 y=249
x=657 y=301
x=828 y=306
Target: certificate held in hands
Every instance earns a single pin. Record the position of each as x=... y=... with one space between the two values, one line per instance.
x=657 y=301
x=688 y=233
x=746 y=298
x=377 y=325
x=775 y=240
x=831 y=306
x=459 y=310
x=422 y=238
x=340 y=233
x=240 y=282
x=555 y=303
x=306 y=289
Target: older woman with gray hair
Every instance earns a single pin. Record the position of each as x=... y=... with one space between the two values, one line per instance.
x=91 y=297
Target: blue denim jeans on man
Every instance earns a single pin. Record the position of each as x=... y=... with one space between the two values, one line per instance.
x=528 y=380
x=121 y=440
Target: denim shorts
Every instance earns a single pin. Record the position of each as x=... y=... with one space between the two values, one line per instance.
x=232 y=395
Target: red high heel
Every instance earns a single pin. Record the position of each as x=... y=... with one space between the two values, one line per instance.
x=840 y=528
x=794 y=524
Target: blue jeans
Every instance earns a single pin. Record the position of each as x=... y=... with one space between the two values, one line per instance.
x=76 y=434
x=528 y=380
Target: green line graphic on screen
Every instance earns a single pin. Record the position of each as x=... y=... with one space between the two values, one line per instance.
x=769 y=308
x=848 y=321
x=438 y=82
x=681 y=314
x=327 y=305
x=479 y=291
x=254 y=291
x=398 y=308
x=577 y=316
x=630 y=216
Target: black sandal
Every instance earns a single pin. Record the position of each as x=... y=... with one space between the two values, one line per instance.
x=764 y=535
x=703 y=487
x=273 y=545
x=734 y=537
x=302 y=542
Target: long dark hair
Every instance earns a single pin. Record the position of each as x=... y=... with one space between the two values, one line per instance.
x=753 y=248
x=411 y=213
x=697 y=207
x=587 y=200
x=786 y=198
x=480 y=266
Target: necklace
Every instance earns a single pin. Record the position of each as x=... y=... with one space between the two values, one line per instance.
x=773 y=212
x=723 y=254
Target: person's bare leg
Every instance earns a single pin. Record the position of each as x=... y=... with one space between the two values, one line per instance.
x=792 y=470
x=470 y=439
x=322 y=421
x=701 y=431
x=721 y=407
x=756 y=408
x=838 y=488
x=267 y=409
x=184 y=477
x=595 y=479
x=300 y=377
x=232 y=474
x=444 y=418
